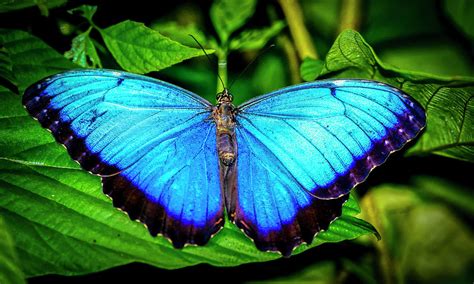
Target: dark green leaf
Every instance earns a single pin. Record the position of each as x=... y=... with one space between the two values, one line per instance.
x=393 y=20
x=229 y=15
x=83 y=51
x=43 y=5
x=255 y=38
x=310 y=68
x=31 y=58
x=440 y=56
x=461 y=11
x=10 y=272
x=441 y=190
x=6 y=68
x=140 y=49
x=448 y=102
x=87 y=11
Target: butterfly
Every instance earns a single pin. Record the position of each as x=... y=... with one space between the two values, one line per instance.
x=280 y=165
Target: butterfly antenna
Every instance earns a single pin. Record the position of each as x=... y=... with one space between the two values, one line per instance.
x=251 y=62
x=208 y=58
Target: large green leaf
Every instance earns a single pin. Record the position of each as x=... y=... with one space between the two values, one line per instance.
x=51 y=205
x=10 y=271
x=31 y=59
x=140 y=49
x=6 y=68
x=448 y=101
x=229 y=15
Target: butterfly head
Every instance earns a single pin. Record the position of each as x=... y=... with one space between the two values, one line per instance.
x=224 y=96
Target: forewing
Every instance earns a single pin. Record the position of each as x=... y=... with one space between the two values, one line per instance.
x=152 y=143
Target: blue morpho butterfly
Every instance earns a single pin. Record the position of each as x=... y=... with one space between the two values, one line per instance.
x=281 y=165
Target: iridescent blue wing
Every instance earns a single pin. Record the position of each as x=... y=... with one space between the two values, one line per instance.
x=318 y=139
x=151 y=142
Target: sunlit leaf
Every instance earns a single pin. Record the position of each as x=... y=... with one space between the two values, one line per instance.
x=140 y=49
x=31 y=58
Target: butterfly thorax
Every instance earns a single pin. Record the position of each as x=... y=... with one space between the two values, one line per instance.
x=224 y=117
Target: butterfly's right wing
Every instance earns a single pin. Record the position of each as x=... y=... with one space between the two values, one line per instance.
x=303 y=148
x=152 y=142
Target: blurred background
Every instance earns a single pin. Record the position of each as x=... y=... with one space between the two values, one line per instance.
x=421 y=205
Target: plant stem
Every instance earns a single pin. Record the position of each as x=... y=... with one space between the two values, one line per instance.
x=350 y=15
x=291 y=56
x=294 y=17
x=221 y=70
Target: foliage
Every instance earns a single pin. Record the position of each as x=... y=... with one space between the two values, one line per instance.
x=49 y=205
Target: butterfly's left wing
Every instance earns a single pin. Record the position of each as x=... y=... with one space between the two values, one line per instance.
x=303 y=148
x=153 y=144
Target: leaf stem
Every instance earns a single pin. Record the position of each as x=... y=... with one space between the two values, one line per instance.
x=349 y=17
x=294 y=16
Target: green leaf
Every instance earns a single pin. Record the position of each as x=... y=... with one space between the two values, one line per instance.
x=31 y=59
x=229 y=15
x=46 y=198
x=460 y=12
x=141 y=50
x=87 y=11
x=43 y=5
x=310 y=68
x=181 y=33
x=255 y=38
x=6 y=68
x=447 y=101
x=11 y=272
x=83 y=51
